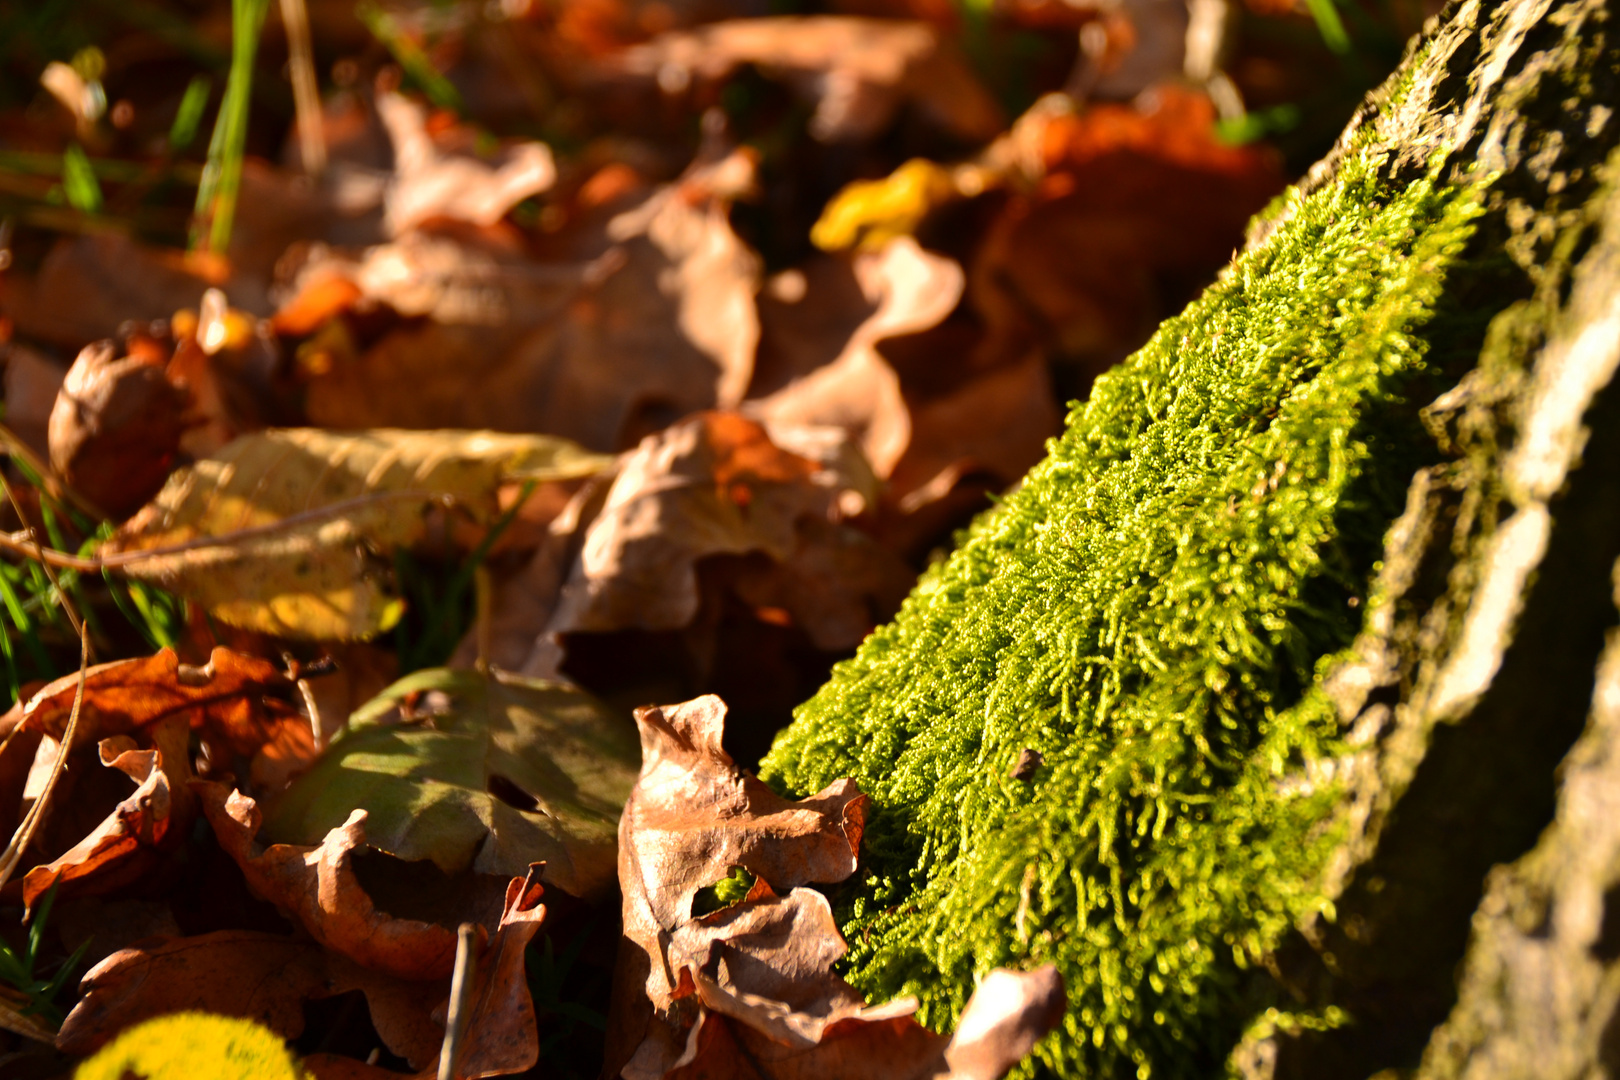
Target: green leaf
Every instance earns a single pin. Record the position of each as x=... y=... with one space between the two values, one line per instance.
x=79 y=180
x=504 y=772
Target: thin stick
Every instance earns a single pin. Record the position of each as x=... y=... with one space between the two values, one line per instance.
x=36 y=813
x=9 y=542
x=306 y=92
x=39 y=555
x=15 y=447
x=461 y=989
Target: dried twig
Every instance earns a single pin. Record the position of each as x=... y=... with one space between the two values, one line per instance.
x=306 y=92
x=461 y=988
x=36 y=813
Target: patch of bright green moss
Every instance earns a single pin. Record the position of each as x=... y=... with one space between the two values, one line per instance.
x=193 y=1046
x=1152 y=611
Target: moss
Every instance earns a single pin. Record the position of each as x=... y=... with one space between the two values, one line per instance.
x=1153 y=611
x=192 y=1045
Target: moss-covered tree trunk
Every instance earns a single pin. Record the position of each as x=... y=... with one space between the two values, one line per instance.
x=1302 y=612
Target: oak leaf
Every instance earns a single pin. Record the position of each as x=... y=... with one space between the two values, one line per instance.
x=318 y=887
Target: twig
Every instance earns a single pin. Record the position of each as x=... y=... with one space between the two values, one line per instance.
x=14 y=446
x=306 y=92
x=36 y=813
x=66 y=561
x=39 y=554
x=461 y=988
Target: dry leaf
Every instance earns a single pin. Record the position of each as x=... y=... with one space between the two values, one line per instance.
x=431 y=183
x=503 y=772
x=660 y=323
x=125 y=844
x=858 y=71
x=692 y=817
x=501 y=1036
x=229 y=702
x=31 y=384
x=244 y=973
x=317 y=886
x=750 y=990
x=913 y=290
x=715 y=484
x=115 y=428
x=305 y=520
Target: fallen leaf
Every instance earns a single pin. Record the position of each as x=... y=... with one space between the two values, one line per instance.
x=288 y=532
x=659 y=323
x=317 y=886
x=230 y=703
x=715 y=484
x=692 y=817
x=750 y=990
x=503 y=772
x=123 y=847
x=857 y=71
x=501 y=1035
x=115 y=427
x=30 y=385
x=244 y=973
x=1133 y=210
x=431 y=181
x=913 y=290
x=89 y=285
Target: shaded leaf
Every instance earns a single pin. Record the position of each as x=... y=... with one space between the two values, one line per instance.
x=248 y=974
x=431 y=181
x=658 y=323
x=318 y=511
x=692 y=816
x=504 y=772
x=858 y=71
x=123 y=846
x=750 y=990
x=317 y=886
x=501 y=1036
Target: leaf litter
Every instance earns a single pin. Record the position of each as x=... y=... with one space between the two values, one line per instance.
x=644 y=351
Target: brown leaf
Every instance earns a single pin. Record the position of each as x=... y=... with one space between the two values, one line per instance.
x=248 y=974
x=318 y=887
x=501 y=1035
x=30 y=385
x=692 y=816
x=1134 y=208
x=715 y=484
x=432 y=181
x=304 y=519
x=913 y=290
x=230 y=702
x=750 y=990
x=124 y=845
x=659 y=324
x=858 y=71
x=115 y=428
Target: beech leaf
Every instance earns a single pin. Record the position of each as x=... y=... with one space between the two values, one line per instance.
x=505 y=772
x=288 y=532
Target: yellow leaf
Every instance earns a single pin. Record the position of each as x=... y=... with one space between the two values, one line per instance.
x=873 y=212
x=291 y=532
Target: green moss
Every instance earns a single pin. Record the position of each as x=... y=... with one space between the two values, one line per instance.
x=190 y=1046
x=1152 y=610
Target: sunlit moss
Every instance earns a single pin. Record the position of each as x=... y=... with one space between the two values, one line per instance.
x=190 y=1046
x=1152 y=610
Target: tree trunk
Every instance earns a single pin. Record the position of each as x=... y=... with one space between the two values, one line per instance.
x=1303 y=612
